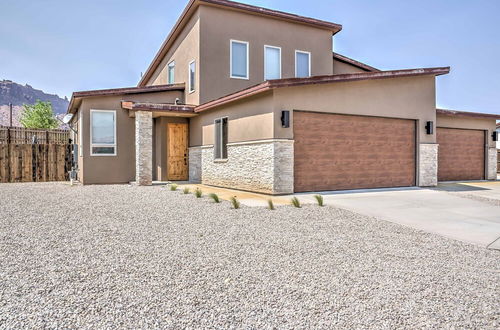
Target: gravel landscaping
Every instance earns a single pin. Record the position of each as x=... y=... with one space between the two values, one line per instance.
x=121 y=256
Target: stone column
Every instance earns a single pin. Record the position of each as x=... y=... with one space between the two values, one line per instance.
x=428 y=165
x=492 y=164
x=143 y=148
x=195 y=164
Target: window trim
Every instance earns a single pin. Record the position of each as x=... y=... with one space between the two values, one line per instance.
x=103 y=145
x=265 y=62
x=231 y=59
x=303 y=52
x=191 y=88
x=170 y=64
x=222 y=138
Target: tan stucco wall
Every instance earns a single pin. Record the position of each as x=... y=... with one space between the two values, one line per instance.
x=341 y=68
x=258 y=117
x=249 y=120
x=160 y=145
x=219 y=26
x=407 y=98
x=469 y=123
x=119 y=168
x=183 y=51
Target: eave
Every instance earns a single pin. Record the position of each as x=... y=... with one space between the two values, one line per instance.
x=76 y=97
x=316 y=80
x=348 y=60
x=467 y=114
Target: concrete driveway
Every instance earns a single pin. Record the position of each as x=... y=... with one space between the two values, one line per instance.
x=468 y=212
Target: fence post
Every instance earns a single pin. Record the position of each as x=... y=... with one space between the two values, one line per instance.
x=8 y=154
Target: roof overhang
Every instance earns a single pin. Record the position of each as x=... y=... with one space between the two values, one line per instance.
x=328 y=79
x=468 y=114
x=191 y=7
x=160 y=109
x=77 y=97
x=353 y=62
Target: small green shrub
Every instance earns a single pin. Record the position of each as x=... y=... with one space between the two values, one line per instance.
x=235 y=202
x=270 y=204
x=186 y=190
x=198 y=193
x=295 y=202
x=173 y=187
x=214 y=197
x=319 y=199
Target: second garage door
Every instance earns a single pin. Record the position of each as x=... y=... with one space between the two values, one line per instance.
x=461 y=154
x=334 y=152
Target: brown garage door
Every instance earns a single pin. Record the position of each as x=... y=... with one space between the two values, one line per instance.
x=334 y=152
x=461 y=154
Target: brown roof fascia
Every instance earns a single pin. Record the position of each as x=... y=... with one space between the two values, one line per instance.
x=456 y=113
x=351 y=61
x=129 y=90
x=193 y=4
x=334 y=27
x=145 y=106
x=290 y=82
x=76 y=96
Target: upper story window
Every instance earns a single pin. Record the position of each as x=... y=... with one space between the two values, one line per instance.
x=103 y=132
x=171 y=72
x=302 y=64
x=272 y=62
x=239 y=59
x=192 y=76
x=220 y=142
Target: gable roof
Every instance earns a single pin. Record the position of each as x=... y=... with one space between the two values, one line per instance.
x=77 y=96
x=457 y=113
x=231 y=5
x=353 y=62
x=290 y=82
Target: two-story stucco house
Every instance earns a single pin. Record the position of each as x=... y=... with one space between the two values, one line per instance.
x=255 y=99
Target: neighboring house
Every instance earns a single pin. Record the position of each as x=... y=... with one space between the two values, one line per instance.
x=254 y=99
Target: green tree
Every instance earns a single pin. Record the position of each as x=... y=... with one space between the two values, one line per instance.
x=39 y=115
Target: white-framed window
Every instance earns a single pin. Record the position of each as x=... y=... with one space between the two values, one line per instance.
x=171 y=72
x=302 y=64
x=220 y=139
x=102 y=132
x=80 y=133
x=272 y=62
x=238 y=55
x=192 y=76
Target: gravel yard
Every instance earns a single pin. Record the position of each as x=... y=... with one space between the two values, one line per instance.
x=145 y=257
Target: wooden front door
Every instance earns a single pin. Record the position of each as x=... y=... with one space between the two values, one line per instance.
x=335 y=152
x=177 y=152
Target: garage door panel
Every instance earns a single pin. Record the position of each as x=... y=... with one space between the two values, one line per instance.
x=335 y=152
x=461 y=154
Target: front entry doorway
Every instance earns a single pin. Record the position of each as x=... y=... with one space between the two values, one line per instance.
x=177 y=152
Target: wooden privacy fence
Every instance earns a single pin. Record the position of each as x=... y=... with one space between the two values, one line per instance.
x=28 y=155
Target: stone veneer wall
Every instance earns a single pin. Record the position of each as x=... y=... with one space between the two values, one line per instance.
x=195 y=164
x=428 y=165
x=144 y=148
x=263 y=166
x=492 y=164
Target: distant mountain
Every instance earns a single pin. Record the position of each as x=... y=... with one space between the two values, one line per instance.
x=11 y=92
x=18 y=95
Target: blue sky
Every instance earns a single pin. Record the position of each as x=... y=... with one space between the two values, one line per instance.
x=62 y=46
